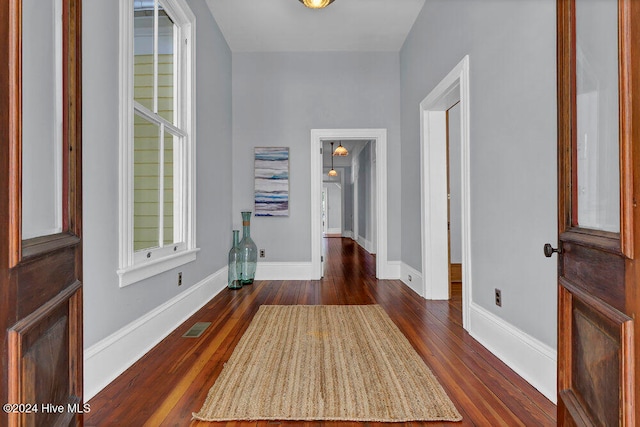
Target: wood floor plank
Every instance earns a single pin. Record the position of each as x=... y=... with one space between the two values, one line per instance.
x=456 y=351
x=172 y=380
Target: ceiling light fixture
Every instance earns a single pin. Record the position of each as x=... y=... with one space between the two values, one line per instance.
x=332 y=172
x=341 y=151
x=316 y=4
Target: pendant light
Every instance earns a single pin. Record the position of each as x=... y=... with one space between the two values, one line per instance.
x=316 y=4
x=332 y=172
x=341 y=151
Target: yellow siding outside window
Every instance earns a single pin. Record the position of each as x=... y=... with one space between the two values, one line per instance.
x=147 y=155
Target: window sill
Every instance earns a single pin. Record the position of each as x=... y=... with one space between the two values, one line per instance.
x=141 y=271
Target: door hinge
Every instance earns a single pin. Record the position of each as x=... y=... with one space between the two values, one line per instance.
x=321 y=258
x=320 y=150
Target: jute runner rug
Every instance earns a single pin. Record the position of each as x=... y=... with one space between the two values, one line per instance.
x=327 y=362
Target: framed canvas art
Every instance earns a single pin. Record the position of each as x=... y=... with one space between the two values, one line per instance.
x=271 y=171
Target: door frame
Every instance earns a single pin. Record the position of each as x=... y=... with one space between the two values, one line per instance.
x=318 y=136
x=433 y=189
x=324 y=210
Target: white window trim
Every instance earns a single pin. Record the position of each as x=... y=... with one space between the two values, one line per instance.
x=130 y=271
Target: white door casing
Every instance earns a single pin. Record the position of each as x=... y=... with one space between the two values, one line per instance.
x=380 y=137
x=433 y=176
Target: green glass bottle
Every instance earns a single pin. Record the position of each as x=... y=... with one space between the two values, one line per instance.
x=235 y=263
x=248 y=251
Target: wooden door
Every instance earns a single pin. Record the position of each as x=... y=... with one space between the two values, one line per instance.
x=598 y=219
x=40 y=276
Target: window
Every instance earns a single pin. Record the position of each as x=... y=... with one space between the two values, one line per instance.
x=157 y=144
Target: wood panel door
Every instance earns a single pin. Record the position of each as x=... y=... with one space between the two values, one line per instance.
x=598 y=219
x=40 y=213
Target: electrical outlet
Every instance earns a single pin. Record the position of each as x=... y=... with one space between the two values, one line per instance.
x=498 y=296
x=180 y=278
x=410 y=278
x=261 y=253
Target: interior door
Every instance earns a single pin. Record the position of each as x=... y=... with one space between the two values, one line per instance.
x=40 y=213
x=598 y=221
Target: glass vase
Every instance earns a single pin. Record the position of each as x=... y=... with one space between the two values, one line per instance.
x=235 y=263
x=248 y=251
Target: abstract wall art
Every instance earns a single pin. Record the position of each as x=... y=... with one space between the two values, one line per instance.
x=271 y=169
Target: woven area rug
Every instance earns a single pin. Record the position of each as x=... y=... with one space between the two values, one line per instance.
x=326 y=362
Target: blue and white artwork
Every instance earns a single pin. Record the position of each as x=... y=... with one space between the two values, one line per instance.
x=271 y=181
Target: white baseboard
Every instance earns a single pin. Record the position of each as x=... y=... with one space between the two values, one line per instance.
x=530 y=358
x=284 y=271
x=412 y=278
x=110 y=357
x=366 y=244
x=303 y=270
x=348 y=234
x=337 y=231
x=393 y=270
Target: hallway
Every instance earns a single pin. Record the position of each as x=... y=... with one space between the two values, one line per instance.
x=172 y=380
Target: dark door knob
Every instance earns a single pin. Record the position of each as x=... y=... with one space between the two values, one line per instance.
x=549 y=250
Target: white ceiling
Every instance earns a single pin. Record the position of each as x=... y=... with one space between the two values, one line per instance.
x=288 y=26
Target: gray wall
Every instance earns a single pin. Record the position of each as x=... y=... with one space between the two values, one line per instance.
x=511 y=46
x=108 y=307
x=347 y=205
x=277 y=99
x=364 y=193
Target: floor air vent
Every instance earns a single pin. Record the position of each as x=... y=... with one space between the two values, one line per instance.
x=196 y=330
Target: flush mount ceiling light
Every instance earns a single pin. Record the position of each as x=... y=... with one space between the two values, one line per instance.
x=332 y=172
x=316 y=4
x=341 y=151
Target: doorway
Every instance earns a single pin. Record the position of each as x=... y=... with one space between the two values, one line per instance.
x=363 y=195
x=452 y=90
x=454 y=200
x=379 y=136
x=332 y=195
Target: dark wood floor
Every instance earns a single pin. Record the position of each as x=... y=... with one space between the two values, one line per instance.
x=172 y=380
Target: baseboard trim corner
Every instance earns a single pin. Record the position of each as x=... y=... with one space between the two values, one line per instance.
x=366 y=244
x=412 y=278
x=392 y=270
